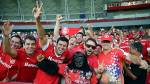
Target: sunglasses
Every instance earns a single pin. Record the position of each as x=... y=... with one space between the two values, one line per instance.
x=88 y=46
x=105 y=41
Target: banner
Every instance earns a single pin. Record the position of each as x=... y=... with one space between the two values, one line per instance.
x=69 y=31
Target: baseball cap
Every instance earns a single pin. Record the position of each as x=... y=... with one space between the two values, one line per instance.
x=107 y=37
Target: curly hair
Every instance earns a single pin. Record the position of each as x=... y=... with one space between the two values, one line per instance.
x=85 y=67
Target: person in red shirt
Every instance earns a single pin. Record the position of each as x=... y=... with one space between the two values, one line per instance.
x=148 y=47
x=0 y=46
x=145 y=44
x=76 y=72
x=89 y=46
x=57 y=53
x=125 y=45
x=25 y=57
x=97 y=50
x=72 y=42
x=8 y=65
x=52 y=53
x=110 y=61
x=79 y=38
x=16 y=42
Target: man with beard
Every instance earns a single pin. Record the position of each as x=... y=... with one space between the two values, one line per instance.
x=88 y=47
x=57 y=53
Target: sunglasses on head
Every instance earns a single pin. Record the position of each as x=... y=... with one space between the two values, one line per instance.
x=88 y=46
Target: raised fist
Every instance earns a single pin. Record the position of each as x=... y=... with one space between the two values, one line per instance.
x=7 y=28
x=59 y=17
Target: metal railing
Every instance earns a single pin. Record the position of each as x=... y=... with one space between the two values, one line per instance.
x=51 y=17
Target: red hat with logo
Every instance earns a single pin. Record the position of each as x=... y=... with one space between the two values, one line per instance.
x=107 y=37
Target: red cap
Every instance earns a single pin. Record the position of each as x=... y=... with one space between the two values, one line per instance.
x=76 y=49
x=107 y=37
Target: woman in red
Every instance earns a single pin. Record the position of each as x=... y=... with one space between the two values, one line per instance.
x=77 y=72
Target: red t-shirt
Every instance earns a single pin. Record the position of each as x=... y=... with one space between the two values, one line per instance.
x=27 y=66
x=8 y=66
x=0 y=48
x=148 y=43
x=3 y=66
x=37 y=43
x=148 y=49
x=79 y=46
x=44 y=78
x=92 y=61
x=112 y=63
x=77 y=77
x=145 y=44
x=125 y=46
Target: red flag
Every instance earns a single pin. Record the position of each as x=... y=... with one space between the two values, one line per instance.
x=69 y=31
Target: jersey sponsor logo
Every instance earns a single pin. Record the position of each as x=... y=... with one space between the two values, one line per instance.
x=5 y=64
x=124 y=47
x=29 y=65
x=57 y=61
x=144 y=44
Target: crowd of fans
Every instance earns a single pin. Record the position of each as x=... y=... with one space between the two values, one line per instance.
x=106 y=57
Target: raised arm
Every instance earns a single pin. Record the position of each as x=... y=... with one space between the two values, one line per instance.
x=7 y=28
x=40 y=30
x=90 y=31
x=57 y=26
x=121 y=36
x=136 y=60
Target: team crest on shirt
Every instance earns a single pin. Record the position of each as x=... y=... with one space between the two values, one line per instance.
x=12 y=61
